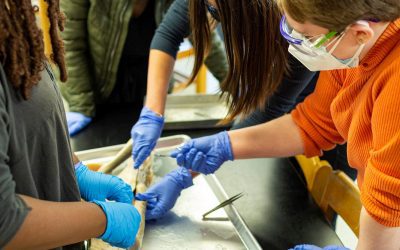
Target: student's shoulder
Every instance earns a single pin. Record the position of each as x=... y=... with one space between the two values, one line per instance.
x=394 y=55
x=391 y=64
x=388 y=76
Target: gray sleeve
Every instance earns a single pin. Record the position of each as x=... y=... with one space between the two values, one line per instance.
x=12 y=208
x=173 y=29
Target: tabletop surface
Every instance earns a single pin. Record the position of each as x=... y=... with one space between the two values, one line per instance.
x=276 y=207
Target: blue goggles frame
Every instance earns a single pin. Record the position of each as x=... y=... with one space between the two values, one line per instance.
x=286 y=31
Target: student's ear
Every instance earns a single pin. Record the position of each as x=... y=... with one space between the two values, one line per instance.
x=361 y=31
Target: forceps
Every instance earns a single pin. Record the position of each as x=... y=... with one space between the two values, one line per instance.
x=223 y=204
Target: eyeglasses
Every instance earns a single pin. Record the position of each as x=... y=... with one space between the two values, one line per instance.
x=296 y=38
x=213 y=11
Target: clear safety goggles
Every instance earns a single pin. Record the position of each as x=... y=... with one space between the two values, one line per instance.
x=310 y=46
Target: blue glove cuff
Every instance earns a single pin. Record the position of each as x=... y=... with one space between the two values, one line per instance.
x=182 y=177
x=79 y=165
x=227 y=145
x=150 y=114
x=107 y=232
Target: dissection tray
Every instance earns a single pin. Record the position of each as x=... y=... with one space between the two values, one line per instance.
x=183 y=227
x=194 y=111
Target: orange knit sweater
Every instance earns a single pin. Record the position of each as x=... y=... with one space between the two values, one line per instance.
x=361 y=106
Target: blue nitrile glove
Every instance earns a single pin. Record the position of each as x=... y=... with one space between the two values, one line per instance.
x=161 y=197
x=123 y=221
x=206 y=154
x=312 y=247
x=76 y=122
x=145 y=134
x=98 y=186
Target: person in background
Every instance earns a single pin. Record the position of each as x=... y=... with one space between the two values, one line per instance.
x=355 y=101
x=41 y=184
x=107 y=51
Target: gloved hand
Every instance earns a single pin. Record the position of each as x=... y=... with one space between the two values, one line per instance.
x=162 y=196
x=76 y=122
x=123 y=221
x=145 y=134
x=312 y=247
x=98 y=186
x=206 y=154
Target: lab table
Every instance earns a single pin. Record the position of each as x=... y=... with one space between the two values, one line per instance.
x=276 y=207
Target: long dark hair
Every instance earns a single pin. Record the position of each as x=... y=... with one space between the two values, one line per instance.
x=256 y=51
x=21 y=43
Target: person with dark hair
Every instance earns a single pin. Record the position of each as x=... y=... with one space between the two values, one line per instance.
x=246 y=68
x=41 y=182
x=294 y=87
x=107 y=45
x=355 y=101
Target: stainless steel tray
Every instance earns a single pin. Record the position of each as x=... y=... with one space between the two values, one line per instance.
x=183 y=227
x=194 y=111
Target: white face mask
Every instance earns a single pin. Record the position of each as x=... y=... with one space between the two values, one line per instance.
x=323 y=59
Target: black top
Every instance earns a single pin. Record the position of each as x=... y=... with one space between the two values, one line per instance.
x=141 y=31
x=174 y=27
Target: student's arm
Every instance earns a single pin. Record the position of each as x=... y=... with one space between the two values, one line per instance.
x=380 y=192
x=374 y=235
x=160 y=69
x=52 y=224
x=163 y=50
x=309 y=129
x=277 y=138
x=313 y=117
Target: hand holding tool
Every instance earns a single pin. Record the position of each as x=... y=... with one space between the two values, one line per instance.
x=162 y=196
x=206 y=154
x=145 y=134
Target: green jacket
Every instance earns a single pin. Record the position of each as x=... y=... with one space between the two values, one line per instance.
x=94 y=37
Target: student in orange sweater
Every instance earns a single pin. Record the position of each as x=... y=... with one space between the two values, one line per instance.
x=356 y=43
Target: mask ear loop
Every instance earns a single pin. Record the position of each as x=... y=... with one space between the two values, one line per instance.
x=337 y=40
x=357 y=54
x=359 y=50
